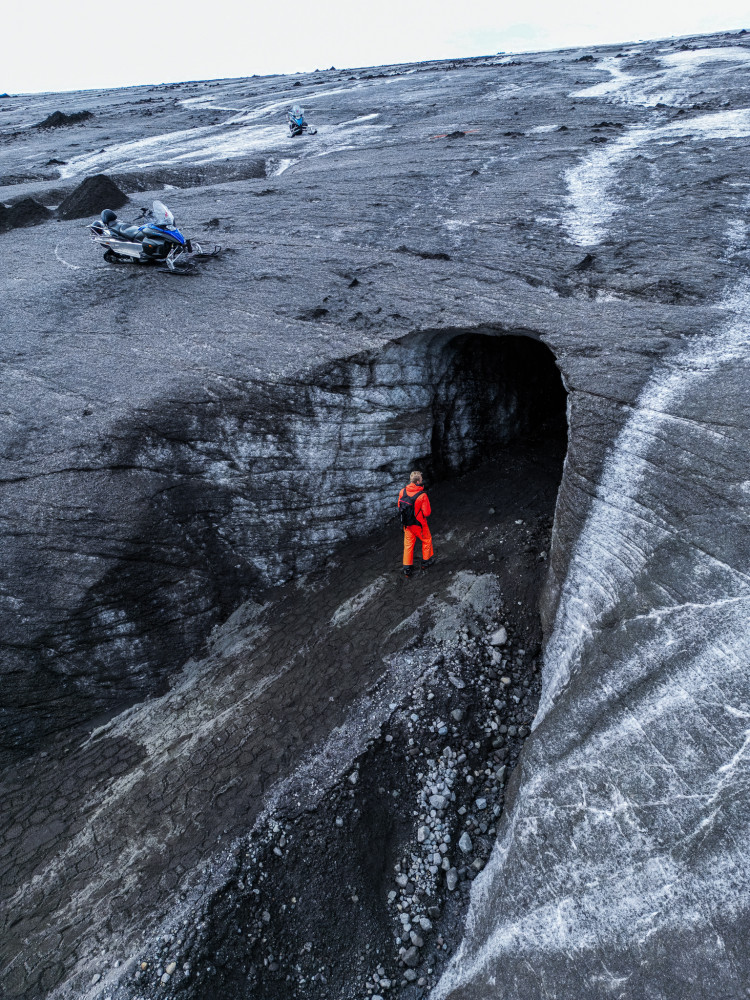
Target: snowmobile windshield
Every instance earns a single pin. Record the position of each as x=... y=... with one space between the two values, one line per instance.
x=162 y=216
x=297 y=114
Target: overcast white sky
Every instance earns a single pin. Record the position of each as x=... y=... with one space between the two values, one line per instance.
x=79 y=44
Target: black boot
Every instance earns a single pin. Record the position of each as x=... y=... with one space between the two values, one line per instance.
x=406 y=570
x=427 y=563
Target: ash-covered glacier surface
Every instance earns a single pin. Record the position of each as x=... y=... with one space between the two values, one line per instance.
x=229 y=731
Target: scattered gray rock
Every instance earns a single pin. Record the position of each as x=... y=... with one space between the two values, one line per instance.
x=451 y=879
x=464 y=842
x=411 y=957
x=499 y=638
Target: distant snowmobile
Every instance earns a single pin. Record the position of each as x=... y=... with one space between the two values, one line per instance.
x=155 y=242
x=297 y=123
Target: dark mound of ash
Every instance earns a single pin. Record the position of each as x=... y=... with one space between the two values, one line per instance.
x=58 y=119
x=91 y=197
x=26 y=212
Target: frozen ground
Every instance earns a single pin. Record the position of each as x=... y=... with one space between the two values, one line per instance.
x=166 y=444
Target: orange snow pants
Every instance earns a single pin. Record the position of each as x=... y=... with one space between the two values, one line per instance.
x=410 y=537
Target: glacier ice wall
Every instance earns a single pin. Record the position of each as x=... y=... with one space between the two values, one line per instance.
x=621 y=868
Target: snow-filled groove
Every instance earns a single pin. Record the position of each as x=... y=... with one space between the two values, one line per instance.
x=592 y=199
x=589 y=593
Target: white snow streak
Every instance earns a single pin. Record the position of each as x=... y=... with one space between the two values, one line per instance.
x=595 y=579
x=667 y=84
x=358 y=602
x=251 y=131
x=592 y=201
x=73 y=267
x=277 y=167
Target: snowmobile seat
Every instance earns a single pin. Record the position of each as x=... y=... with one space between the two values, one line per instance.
x=127 y=232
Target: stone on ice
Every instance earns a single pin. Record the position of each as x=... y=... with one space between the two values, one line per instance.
x=499 y=638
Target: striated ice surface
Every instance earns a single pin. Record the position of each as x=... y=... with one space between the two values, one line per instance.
x=669 y=82
x=592 y=202
x=247 y=132
x=628 y=833
x=621 y=867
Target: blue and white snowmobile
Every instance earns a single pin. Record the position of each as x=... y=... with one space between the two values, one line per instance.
x=157 y=241
x=297 y=124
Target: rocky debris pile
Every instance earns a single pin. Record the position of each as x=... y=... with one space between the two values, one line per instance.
x=91 y=197
x=26 y=212
x=58 y=119
x=461 y=794
x=429 y=790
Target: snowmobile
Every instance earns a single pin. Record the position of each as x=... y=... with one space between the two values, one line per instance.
x=297 y=123
x=155 y=242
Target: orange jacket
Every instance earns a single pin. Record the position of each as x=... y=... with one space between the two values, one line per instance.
x=422 y=509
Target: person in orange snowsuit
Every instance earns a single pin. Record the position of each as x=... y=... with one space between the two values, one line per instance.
x=414 y=508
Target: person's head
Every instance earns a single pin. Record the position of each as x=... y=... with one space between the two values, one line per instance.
x=415 y=477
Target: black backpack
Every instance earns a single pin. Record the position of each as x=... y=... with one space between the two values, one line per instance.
x=406 y=509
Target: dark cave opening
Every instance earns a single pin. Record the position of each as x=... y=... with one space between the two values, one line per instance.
x=492 y=392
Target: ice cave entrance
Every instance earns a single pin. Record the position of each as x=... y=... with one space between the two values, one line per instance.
x=493 y=391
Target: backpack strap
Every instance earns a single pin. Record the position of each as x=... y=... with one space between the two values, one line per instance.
x=410 y=497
